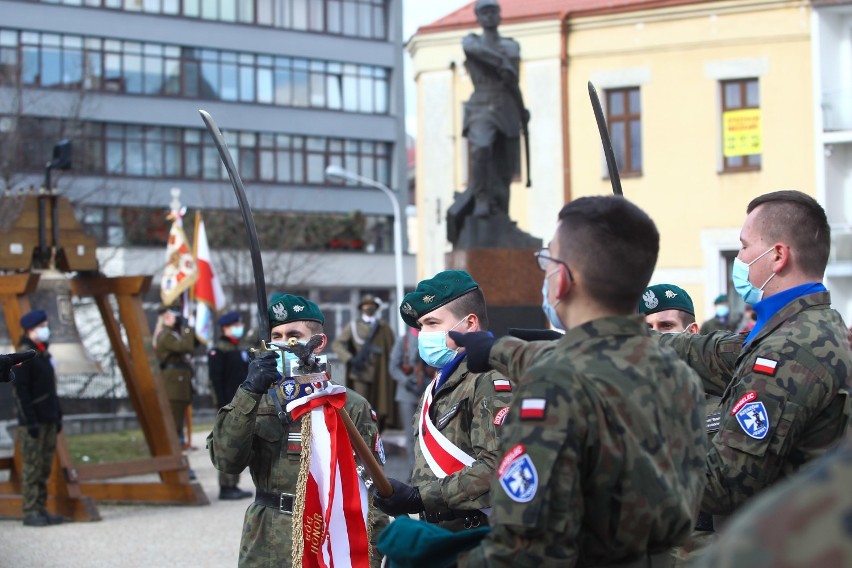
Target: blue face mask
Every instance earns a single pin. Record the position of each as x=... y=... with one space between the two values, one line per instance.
x=722 y=311
x=739 y=275
x=237 y=332
x=433 y=349
x=549 y=310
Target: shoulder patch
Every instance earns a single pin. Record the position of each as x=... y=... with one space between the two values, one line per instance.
x=765 y=366
x=373 y=415
x=502 y=385
x=713 y=422
x=501 y=416
x=747 y=397
x=518 y=476
x=379 y=448
x=533 y=408
x=754 y=420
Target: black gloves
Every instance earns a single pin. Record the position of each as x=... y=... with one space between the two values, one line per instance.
x=478 y=345
x=262 y=372
x=10 y=360
x=32 y=431
x=405 y=499
x=534 y=334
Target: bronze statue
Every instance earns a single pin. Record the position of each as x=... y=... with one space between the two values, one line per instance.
x=494 y=119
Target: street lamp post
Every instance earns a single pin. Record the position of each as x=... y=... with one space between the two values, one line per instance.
x=336 y=172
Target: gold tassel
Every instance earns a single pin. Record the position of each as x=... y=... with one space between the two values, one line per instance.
x=301 y=490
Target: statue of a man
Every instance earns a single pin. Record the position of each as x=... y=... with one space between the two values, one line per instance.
x=495 y=114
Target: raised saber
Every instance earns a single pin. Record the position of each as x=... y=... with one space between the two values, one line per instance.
x=611 y=165
x=367 y=458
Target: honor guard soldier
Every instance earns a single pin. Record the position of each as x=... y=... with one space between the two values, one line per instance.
x=603 y=449
x=39 y=418
x=249 y=433
x=174 y=344
x=459 y=416
x=228 y=366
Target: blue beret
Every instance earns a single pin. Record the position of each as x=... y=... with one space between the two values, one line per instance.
x=228 y=318
x=33 y=318
x=433 y=293
x=662 y=297
x=284 y=308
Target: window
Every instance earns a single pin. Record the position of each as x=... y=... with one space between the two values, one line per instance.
x=741 y=130
x=624 y=117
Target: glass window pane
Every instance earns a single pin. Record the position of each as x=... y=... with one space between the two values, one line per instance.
x=191 y=8
x=317 y=15
x=752 y=94
x=247 y=163
x=245 y=11
x=367 y=167
x=636 y=145
x=153 y=159
x=209 y=9
x=51 y=65
x=350 y=93
x=228 y=10
x=171 y=7
x=113 y=80
x=616 y=102
x=334 y=98
x=732 y=95
x=300 y=88
x=72 y=67
x=618 y=142
x=93 y=71
x=365 y=21
x=229 y=82
x=115 y=157
x=379 y=22
x=381 y=96
x=316 y=168
x=298 y=167
x=635 y=102
x=190 y=78
x=246 y=83
x=283 y=86
x=283 y=168
x=211 y=163
x=264 y=12
x=171 y=71
x=350 y=18
x=192 y=162
x=135 y=165
x=153 y=75
x=171 y=165
x=365 y=96
x=210 y=75
x=132 y=73
x=267 y=165
x=300 y=14
x=264 y=86
x=317 y=90
x=333 y=17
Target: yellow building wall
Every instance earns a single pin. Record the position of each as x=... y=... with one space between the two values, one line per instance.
x=681 y=186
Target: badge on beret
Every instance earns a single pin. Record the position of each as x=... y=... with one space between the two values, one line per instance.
x=670 y=294
x=518 y=476
x=408 y=310
x=650 y=299
x=279 y=311
x=428 y=299
x=298 y=309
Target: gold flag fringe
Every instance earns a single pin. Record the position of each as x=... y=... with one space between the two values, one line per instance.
x=301 y=490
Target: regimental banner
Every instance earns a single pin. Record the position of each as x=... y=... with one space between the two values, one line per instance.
x=209 y=296
x=741 y=132
x=180 y=271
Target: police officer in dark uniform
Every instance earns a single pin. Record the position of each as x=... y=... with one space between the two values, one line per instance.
x=228 y=363
x=12 y=359
x=39 y=418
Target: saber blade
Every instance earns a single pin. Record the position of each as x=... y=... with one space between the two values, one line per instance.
x=248 y=219
x=611 y=165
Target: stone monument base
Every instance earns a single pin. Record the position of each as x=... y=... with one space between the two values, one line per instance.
x=511 y=281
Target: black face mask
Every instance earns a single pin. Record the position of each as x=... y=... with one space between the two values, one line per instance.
x=370 y=310
x=178 y=322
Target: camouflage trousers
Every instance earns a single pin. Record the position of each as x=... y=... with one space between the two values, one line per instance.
x=696 y=545
x=37 y=457
x=228 y=479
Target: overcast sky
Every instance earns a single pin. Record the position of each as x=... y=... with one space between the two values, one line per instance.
x=416 y=13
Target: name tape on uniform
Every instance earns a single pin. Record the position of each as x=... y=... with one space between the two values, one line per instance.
x=501 y=416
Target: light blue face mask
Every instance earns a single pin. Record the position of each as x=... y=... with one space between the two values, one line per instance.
x=237 y=332
x=549 y=310
x=433 y=349
x=747 y=290
x=722 y=311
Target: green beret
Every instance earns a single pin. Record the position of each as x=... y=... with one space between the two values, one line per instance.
x=662 y=297
x=721 y=299
x=431 y=294
x=284 y=308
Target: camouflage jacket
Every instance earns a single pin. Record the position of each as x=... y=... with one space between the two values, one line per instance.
x=603 y=452
x=174 y=352
x=799 y=523
x=783 y=396
x=464 y=410
x=248 y=433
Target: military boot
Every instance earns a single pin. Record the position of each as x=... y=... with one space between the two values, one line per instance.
x=36 y=520
x=232 y=494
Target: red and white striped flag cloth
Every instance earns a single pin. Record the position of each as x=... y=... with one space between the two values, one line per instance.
x=334 y=521
x=209 y=296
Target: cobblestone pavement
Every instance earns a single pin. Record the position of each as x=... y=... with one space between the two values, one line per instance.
x=152 y=536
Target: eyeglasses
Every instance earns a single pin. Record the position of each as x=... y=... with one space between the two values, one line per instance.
x=543 y=257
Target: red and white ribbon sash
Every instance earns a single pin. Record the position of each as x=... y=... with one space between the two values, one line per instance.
x=444 y=457
x=334 y=523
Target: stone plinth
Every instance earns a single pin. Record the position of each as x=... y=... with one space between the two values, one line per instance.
x=511 y=281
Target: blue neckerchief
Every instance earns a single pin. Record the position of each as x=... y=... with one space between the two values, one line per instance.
x=449 y=369
x=767 y=308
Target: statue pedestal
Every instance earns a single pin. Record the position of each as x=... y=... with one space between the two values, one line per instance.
x=511 y=281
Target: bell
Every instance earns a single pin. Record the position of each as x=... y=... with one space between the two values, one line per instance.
x=53 y=295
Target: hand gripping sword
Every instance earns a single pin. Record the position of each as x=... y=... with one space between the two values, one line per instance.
x=611 y=165
x=363 y=452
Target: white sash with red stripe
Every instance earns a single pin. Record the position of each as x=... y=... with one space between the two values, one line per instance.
x=444 y=457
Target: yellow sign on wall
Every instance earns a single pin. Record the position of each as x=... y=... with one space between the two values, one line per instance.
x=741 y=132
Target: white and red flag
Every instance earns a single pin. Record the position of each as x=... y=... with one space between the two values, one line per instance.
x=209 y=296
x=333 y=520
x=180 y=271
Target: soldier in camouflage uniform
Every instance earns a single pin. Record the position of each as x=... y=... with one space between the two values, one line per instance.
x=603 y=449
x=800 y=523
x=174 y=344
x=456 y=441
x=248 y=433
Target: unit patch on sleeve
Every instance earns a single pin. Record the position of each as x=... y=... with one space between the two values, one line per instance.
x=533 y=408
x=713 y=422
x=765 y=366
x=379 y=448
x=752 y=416
x=518 y=476
x=502 y=385
x=501 y=416
x=374 y=415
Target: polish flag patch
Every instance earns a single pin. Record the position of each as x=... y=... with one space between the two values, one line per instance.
x=374 y=415
x=765 y=366
x=501 y=416
x=533 y=408
x=502 y=385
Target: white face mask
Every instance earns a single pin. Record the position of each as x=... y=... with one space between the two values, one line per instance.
x=42 y=334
